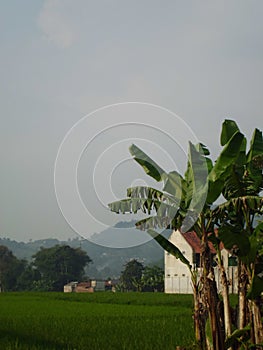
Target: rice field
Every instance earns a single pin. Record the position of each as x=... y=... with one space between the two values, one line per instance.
x=95 y=321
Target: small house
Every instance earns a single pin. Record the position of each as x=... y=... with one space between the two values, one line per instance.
x=90 y=286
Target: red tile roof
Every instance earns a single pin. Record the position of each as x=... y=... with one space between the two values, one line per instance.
x=195 y=242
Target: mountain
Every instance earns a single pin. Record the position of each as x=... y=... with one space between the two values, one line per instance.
x=122 y=235
x=107 y=260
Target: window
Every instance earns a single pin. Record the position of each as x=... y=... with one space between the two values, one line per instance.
x=196 y=259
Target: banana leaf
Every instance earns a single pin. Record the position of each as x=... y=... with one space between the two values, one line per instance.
x=169 y=247
x=223 y=166
x=149 y=166
x=229 y=128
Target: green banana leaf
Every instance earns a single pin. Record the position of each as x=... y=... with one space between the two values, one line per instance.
x=256 y=145
x=229 y=128
x=236 y=335
x=169 y=247
x=133 y=205
x=223 y=166
x=150 y=167
x=234 y=237
x=197 y=176
x=256 y=288
x=255 y=163
x=151 y=193
x=173 y=184
x=254 y=203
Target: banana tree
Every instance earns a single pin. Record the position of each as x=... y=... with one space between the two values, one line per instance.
x=185 y=203
x=238 y=230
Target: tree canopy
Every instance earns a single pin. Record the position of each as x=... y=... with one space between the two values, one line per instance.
x=130 y=279
x=60 y=264
x=10 y=269
x=137 y=277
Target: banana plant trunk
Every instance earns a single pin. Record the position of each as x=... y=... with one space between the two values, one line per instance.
x=199 y=320
x=242 y=300
x=255 y=313
x=226 y=303
x=257 y=322
x=211 y=300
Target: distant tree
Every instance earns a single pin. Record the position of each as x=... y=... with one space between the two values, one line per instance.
x=10 y=269
x=153 y=279
x=29 y=279
x=59 y=265
x=130 y=279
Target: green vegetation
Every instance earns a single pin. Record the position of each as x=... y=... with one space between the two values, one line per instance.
x=188 y=202
x=34 y=321
x=140 y=278
x=131 y=276
x=106 y=261
x=50 y=269
x=59 y=265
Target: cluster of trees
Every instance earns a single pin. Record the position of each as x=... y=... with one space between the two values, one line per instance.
x=187 y=202
x=50 y=269
x=137 y=277
x=106 y=261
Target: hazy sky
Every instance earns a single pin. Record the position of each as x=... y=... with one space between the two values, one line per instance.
x=62 y=59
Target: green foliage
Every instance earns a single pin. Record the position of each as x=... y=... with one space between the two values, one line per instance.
x=229 y=128
x=236 y=217
x=169 y=247
x=59 y=265
x=223 y=166
x=136 y=277
x=255 y=288
x=239 y=335
x=153 y=279
x=182 y=198
x=234 y=238
x=10 y=269
x=130 y=279
x=195 y=188
x=111 y=258
x=237 y=175
x=150 y=167
x=29 y=279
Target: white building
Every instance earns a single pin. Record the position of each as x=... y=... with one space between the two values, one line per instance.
x=177 y=275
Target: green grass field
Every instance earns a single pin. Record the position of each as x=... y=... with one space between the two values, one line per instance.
x=95 y=321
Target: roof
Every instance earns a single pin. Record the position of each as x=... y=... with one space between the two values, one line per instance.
x=84 y=284
x=71 y=284
x=195 y=242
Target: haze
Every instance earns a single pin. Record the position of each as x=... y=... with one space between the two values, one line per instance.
x=61 y=60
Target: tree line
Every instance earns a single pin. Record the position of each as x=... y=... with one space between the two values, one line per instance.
x=49 y=270
x=52 y=268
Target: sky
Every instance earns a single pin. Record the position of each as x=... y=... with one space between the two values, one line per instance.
x=69 y=72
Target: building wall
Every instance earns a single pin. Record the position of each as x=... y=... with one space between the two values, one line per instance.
x=177 y=275
x=68 y=289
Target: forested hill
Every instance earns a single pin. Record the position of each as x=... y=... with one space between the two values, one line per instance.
x=107 y=262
